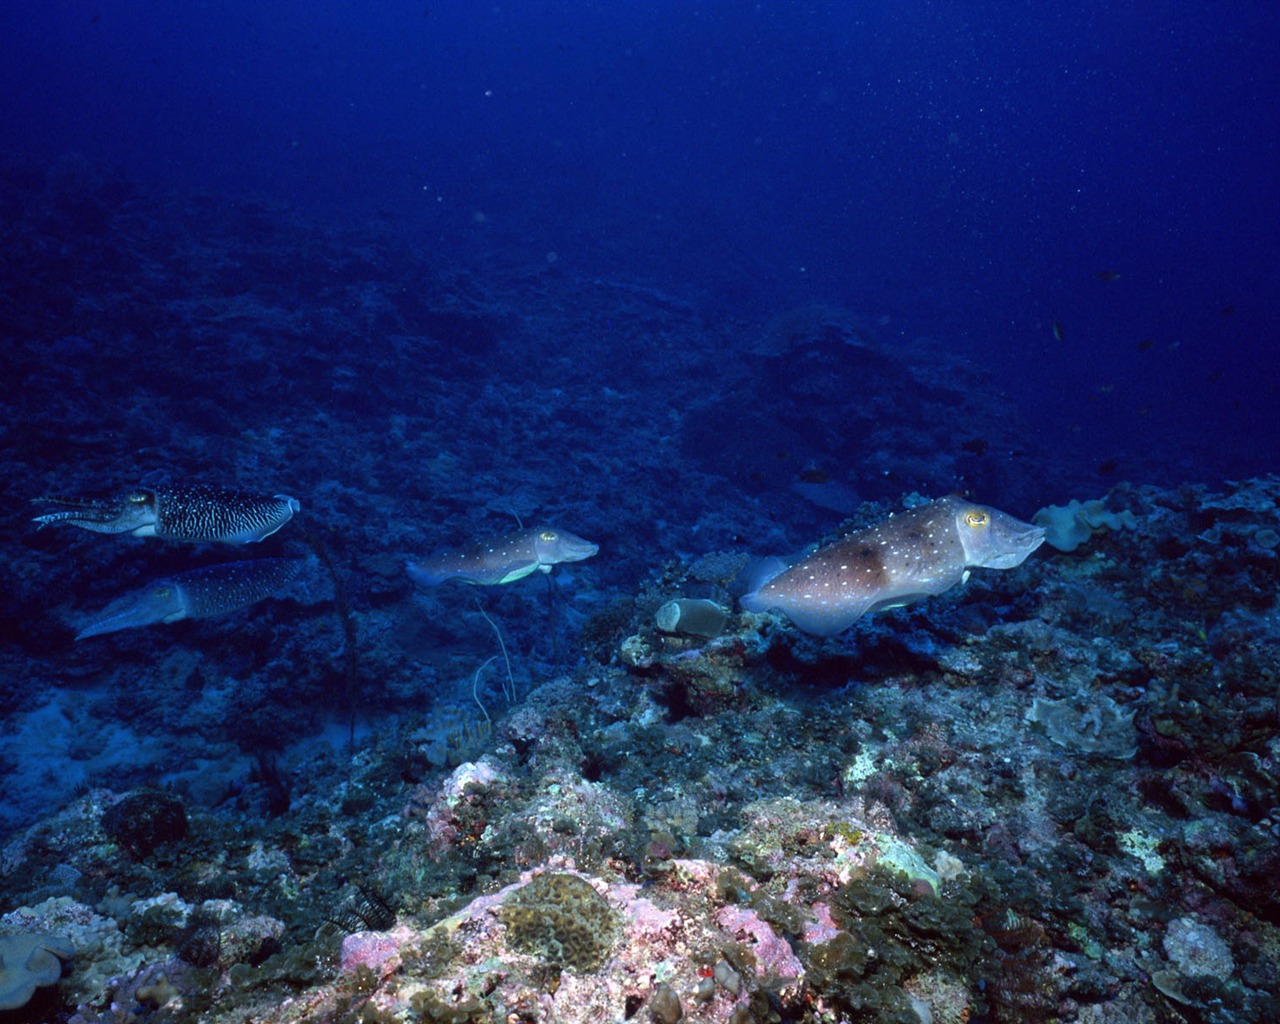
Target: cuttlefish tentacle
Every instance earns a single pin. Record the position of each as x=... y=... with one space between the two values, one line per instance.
x=914 y=554
x=178 y=513
x=198 y=594
x=94 y=514
x=504 y=559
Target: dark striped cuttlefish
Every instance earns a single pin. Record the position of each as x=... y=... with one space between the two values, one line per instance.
x=177 y=513
x=911 y=555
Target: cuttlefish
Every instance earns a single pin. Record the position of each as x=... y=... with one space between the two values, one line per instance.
x=501 y=559
x=177 y=513
x=198 y=594
x=914 y=554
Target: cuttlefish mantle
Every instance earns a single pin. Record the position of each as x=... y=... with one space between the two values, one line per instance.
x=504 y=559
x=914 y=554
x=177 y=513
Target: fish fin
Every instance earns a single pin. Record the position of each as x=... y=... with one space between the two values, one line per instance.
x=513 y=571
x=495 y=576
x=818 y=620
x=423 y=576
x=823 y=622
x=898 y=601
x=760 y=571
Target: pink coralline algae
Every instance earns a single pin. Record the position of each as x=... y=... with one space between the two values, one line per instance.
x=378 y=951
x=457 y=812
x=774 y=955
x=824 y=929
x=648 y=921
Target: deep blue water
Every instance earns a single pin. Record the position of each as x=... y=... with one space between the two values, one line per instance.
x=964 y=171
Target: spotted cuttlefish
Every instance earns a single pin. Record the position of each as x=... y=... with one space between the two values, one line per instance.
x=911 y=555
x=501 y=559
x=198 y=594
x=177 y=513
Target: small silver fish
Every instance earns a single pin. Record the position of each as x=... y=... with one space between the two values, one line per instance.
x=911 y=555
x=177 y=513
x=502 y=559
x=198 y=594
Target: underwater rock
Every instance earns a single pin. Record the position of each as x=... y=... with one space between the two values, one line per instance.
x=718 y=568
x=636 y=652
x=376 y=951
x=707 y=679
x=459 y=809
x=1196 y=949
x=142 y=821
x=939 y=998
x=774 y=956
x=1100 y=727
x=664 y=1006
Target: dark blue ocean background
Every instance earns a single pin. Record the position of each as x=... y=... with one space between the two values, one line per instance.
x=964 y=171
x=683 y=277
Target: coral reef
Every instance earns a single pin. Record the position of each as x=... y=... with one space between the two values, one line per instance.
x=1047 y=795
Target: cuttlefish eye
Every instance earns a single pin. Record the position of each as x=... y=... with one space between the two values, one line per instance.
x=976 y=519
x=547 y=535
x=139 y=497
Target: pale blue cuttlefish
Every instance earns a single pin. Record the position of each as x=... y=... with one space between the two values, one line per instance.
x=501 y=559
x=177 y=513
x=911 y=555
x=198 y=594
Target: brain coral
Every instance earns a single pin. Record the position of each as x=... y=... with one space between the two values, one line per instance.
x=561 y=918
